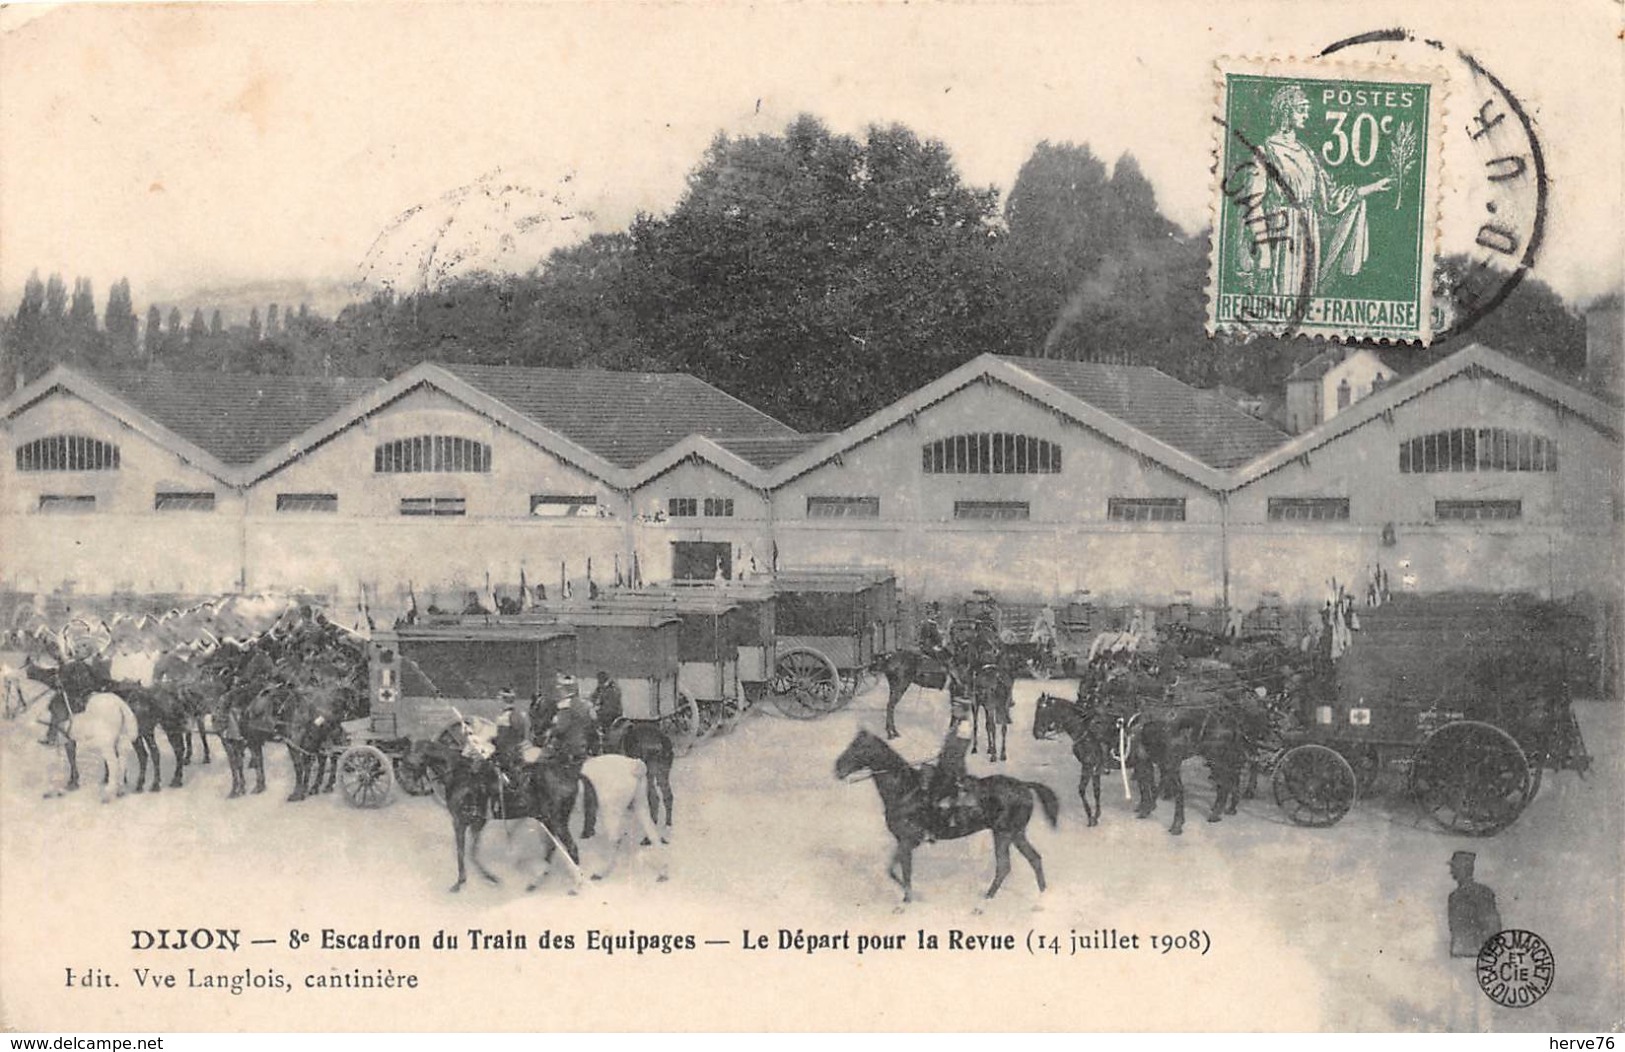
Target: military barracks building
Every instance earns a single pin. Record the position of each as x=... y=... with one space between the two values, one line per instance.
x=1030 y=477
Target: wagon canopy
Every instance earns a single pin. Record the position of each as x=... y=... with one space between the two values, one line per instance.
x=479 y=661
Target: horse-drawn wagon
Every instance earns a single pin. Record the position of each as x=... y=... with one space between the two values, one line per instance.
x=831 y=624
x=428 y=680
x=1466 y=696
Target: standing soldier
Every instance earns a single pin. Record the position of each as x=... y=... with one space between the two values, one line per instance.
x=606 y=702
x=1471 y=908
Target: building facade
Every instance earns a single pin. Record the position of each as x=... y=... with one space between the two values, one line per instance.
x=1036 y=479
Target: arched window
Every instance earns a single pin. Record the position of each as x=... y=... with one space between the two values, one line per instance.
x=1483 y=449
x=67 y=453
x=431 y=453
x=990 y=453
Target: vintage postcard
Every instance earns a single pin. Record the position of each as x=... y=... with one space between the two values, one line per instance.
x=823 y=517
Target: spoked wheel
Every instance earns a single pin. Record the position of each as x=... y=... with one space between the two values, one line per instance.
x=1473 y=778
x=807 y=685
x=1315 y=785
x=364 y=775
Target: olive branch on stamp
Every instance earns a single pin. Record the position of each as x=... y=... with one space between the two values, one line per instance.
x=1326 y=205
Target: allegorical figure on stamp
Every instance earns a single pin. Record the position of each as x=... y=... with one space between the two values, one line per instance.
x=1471 y=908
x=1302 y=225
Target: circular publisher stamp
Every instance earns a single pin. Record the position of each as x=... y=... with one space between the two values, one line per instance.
x=1515 y=968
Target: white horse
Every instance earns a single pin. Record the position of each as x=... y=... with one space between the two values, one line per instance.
x=107 y=727
x=621 y=786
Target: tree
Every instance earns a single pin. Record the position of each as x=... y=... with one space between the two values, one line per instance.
x=816 y=276
x=254 y=323
x=82 y=333
x=197 y=330
x=273 y=325
x=154 y=334
x=216 y=326
x=28 y=356
x=120 y=322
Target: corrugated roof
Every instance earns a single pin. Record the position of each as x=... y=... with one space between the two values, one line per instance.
x=769 y=451
x=626 y=418
x=1192 y=421
x=237 y=418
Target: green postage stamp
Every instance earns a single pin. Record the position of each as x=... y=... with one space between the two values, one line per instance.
x=1326 y=211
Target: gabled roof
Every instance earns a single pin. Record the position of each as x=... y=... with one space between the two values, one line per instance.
x=625 y=418
x=1474 y=360
x=1187 y=431
x=1209 y=428
x=769 y=451
x=237 y=418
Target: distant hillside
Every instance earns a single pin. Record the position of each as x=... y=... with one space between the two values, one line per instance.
x=234 y=302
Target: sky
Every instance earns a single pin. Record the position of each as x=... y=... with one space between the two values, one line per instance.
x=208 y=146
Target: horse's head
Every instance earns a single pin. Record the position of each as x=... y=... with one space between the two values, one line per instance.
x=866 y=752
x=1047 y=719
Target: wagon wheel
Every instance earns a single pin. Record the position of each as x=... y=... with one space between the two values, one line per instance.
x=364 y=774
x=1315 y=785
x=1472 y=777
x=806 y=684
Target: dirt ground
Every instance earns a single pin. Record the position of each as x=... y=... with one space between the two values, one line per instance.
x=1305 y=929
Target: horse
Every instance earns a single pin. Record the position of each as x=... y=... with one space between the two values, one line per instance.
x=647 y=742
x=133 y=676
x=246 y=716
x=1077 y=721
x=106 y=727
x=992 y=694
x=1003 y=805
x=195 y=687
x=1161 y=740
x=476 y=792
x=309 y=718
x=904 y=669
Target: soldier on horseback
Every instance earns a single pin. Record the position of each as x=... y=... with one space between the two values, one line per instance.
x=512 y=735
x=947 y=790
x=567 y=741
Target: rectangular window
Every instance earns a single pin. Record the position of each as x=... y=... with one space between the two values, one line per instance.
x=556 y=505
x=1477 y=510
x=1308 y=509
x=183 y=502
x=719 y=507
x=435 y=506
x=1002 y=510
x=843 y=507
x=66 y=504
x=1146 y=509
x=328 y=502
x=682 y=507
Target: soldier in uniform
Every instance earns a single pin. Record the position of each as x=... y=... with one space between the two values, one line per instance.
x=512 y=735
x=568 y=740
x=606 y=702
x=948 y=791
x=1471 y=909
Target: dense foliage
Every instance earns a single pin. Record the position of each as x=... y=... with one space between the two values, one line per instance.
x=818 y=276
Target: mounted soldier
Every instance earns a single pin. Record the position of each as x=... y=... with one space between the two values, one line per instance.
x=567 y=741
x=512 y=735
x=947 y=792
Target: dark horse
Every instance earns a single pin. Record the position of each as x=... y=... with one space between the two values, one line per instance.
x=478 y=789
x=1003 y=805
x=155 y=708
x=647 y=742
x=992 y=691
x=1079 y=722
x=309 y=718
x=1161 y=739
x=904 y=669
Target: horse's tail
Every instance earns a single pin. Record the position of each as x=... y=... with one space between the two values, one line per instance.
x=1047 y=800
x=589 y=808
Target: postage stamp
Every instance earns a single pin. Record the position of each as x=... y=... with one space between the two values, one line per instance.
x=1325 y=212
